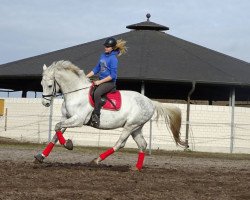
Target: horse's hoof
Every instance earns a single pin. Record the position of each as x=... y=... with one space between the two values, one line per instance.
x=69 y=144
x=135 y=169
x=39 y=158
x=94 y=162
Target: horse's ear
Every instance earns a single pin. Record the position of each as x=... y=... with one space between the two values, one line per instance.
x=44 y=67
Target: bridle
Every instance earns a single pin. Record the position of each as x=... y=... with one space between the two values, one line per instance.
x=53 y=92
x=56 y=95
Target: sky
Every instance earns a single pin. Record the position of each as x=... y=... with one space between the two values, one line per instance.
x=33 y=27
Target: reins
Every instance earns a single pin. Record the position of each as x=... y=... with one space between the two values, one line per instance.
x=76 y=90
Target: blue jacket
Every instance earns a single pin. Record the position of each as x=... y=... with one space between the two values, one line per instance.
x=107 y=66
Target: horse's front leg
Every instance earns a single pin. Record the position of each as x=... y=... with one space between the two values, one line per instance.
x=75 y=121
x=41 y=156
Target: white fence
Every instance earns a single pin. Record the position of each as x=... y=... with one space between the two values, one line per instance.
x=210 y=127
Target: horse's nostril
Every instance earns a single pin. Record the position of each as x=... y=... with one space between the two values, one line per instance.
x=47 y=104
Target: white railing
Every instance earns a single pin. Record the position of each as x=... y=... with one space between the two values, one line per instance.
x=209 y=128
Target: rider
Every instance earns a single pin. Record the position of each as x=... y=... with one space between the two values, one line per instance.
x=107 y=69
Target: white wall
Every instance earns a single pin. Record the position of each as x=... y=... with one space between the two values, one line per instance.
x=210 y=127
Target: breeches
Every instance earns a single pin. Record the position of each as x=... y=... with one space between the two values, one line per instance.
x=99 y=92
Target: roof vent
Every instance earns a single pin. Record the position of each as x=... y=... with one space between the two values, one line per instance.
x=148 y=25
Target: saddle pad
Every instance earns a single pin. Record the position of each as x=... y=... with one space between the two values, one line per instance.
x=115 y=97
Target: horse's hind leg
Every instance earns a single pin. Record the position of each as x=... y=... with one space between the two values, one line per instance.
x=119 y=144
x=40 y=157
x=142 y=145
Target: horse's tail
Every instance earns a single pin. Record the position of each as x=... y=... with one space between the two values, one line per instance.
x=172 y=116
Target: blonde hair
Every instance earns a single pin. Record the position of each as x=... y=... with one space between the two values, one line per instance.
x=121 y=45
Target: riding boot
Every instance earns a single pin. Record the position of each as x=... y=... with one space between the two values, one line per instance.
x=95 y=119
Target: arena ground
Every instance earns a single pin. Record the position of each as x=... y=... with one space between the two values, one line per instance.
x=166 y=175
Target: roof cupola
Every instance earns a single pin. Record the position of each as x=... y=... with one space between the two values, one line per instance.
x=147 y=25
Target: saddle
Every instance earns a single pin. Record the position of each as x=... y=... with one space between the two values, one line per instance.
x=110 y=101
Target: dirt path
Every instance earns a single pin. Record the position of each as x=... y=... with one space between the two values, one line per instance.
x=166 y=175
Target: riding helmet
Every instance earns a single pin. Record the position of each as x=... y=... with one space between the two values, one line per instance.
x=110 y=42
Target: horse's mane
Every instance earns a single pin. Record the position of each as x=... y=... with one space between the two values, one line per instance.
x=67 y=65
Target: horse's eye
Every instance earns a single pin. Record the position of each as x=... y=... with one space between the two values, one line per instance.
x=50 y=86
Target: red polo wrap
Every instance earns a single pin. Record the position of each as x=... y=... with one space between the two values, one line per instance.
x=48 y=149
x=60 y=137
x=107 y=153
x=141 y=157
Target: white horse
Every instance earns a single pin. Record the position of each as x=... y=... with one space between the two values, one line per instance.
x=76 y=110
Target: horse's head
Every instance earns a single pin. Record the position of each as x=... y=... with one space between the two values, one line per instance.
x=49 y=85
x=61 y=75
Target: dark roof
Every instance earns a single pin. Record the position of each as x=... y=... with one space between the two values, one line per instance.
x=152 y=55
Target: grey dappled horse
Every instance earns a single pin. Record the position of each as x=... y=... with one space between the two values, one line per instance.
x=136 y=110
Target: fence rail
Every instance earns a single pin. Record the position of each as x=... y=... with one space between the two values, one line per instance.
x=35 y=128
x=209 y=128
